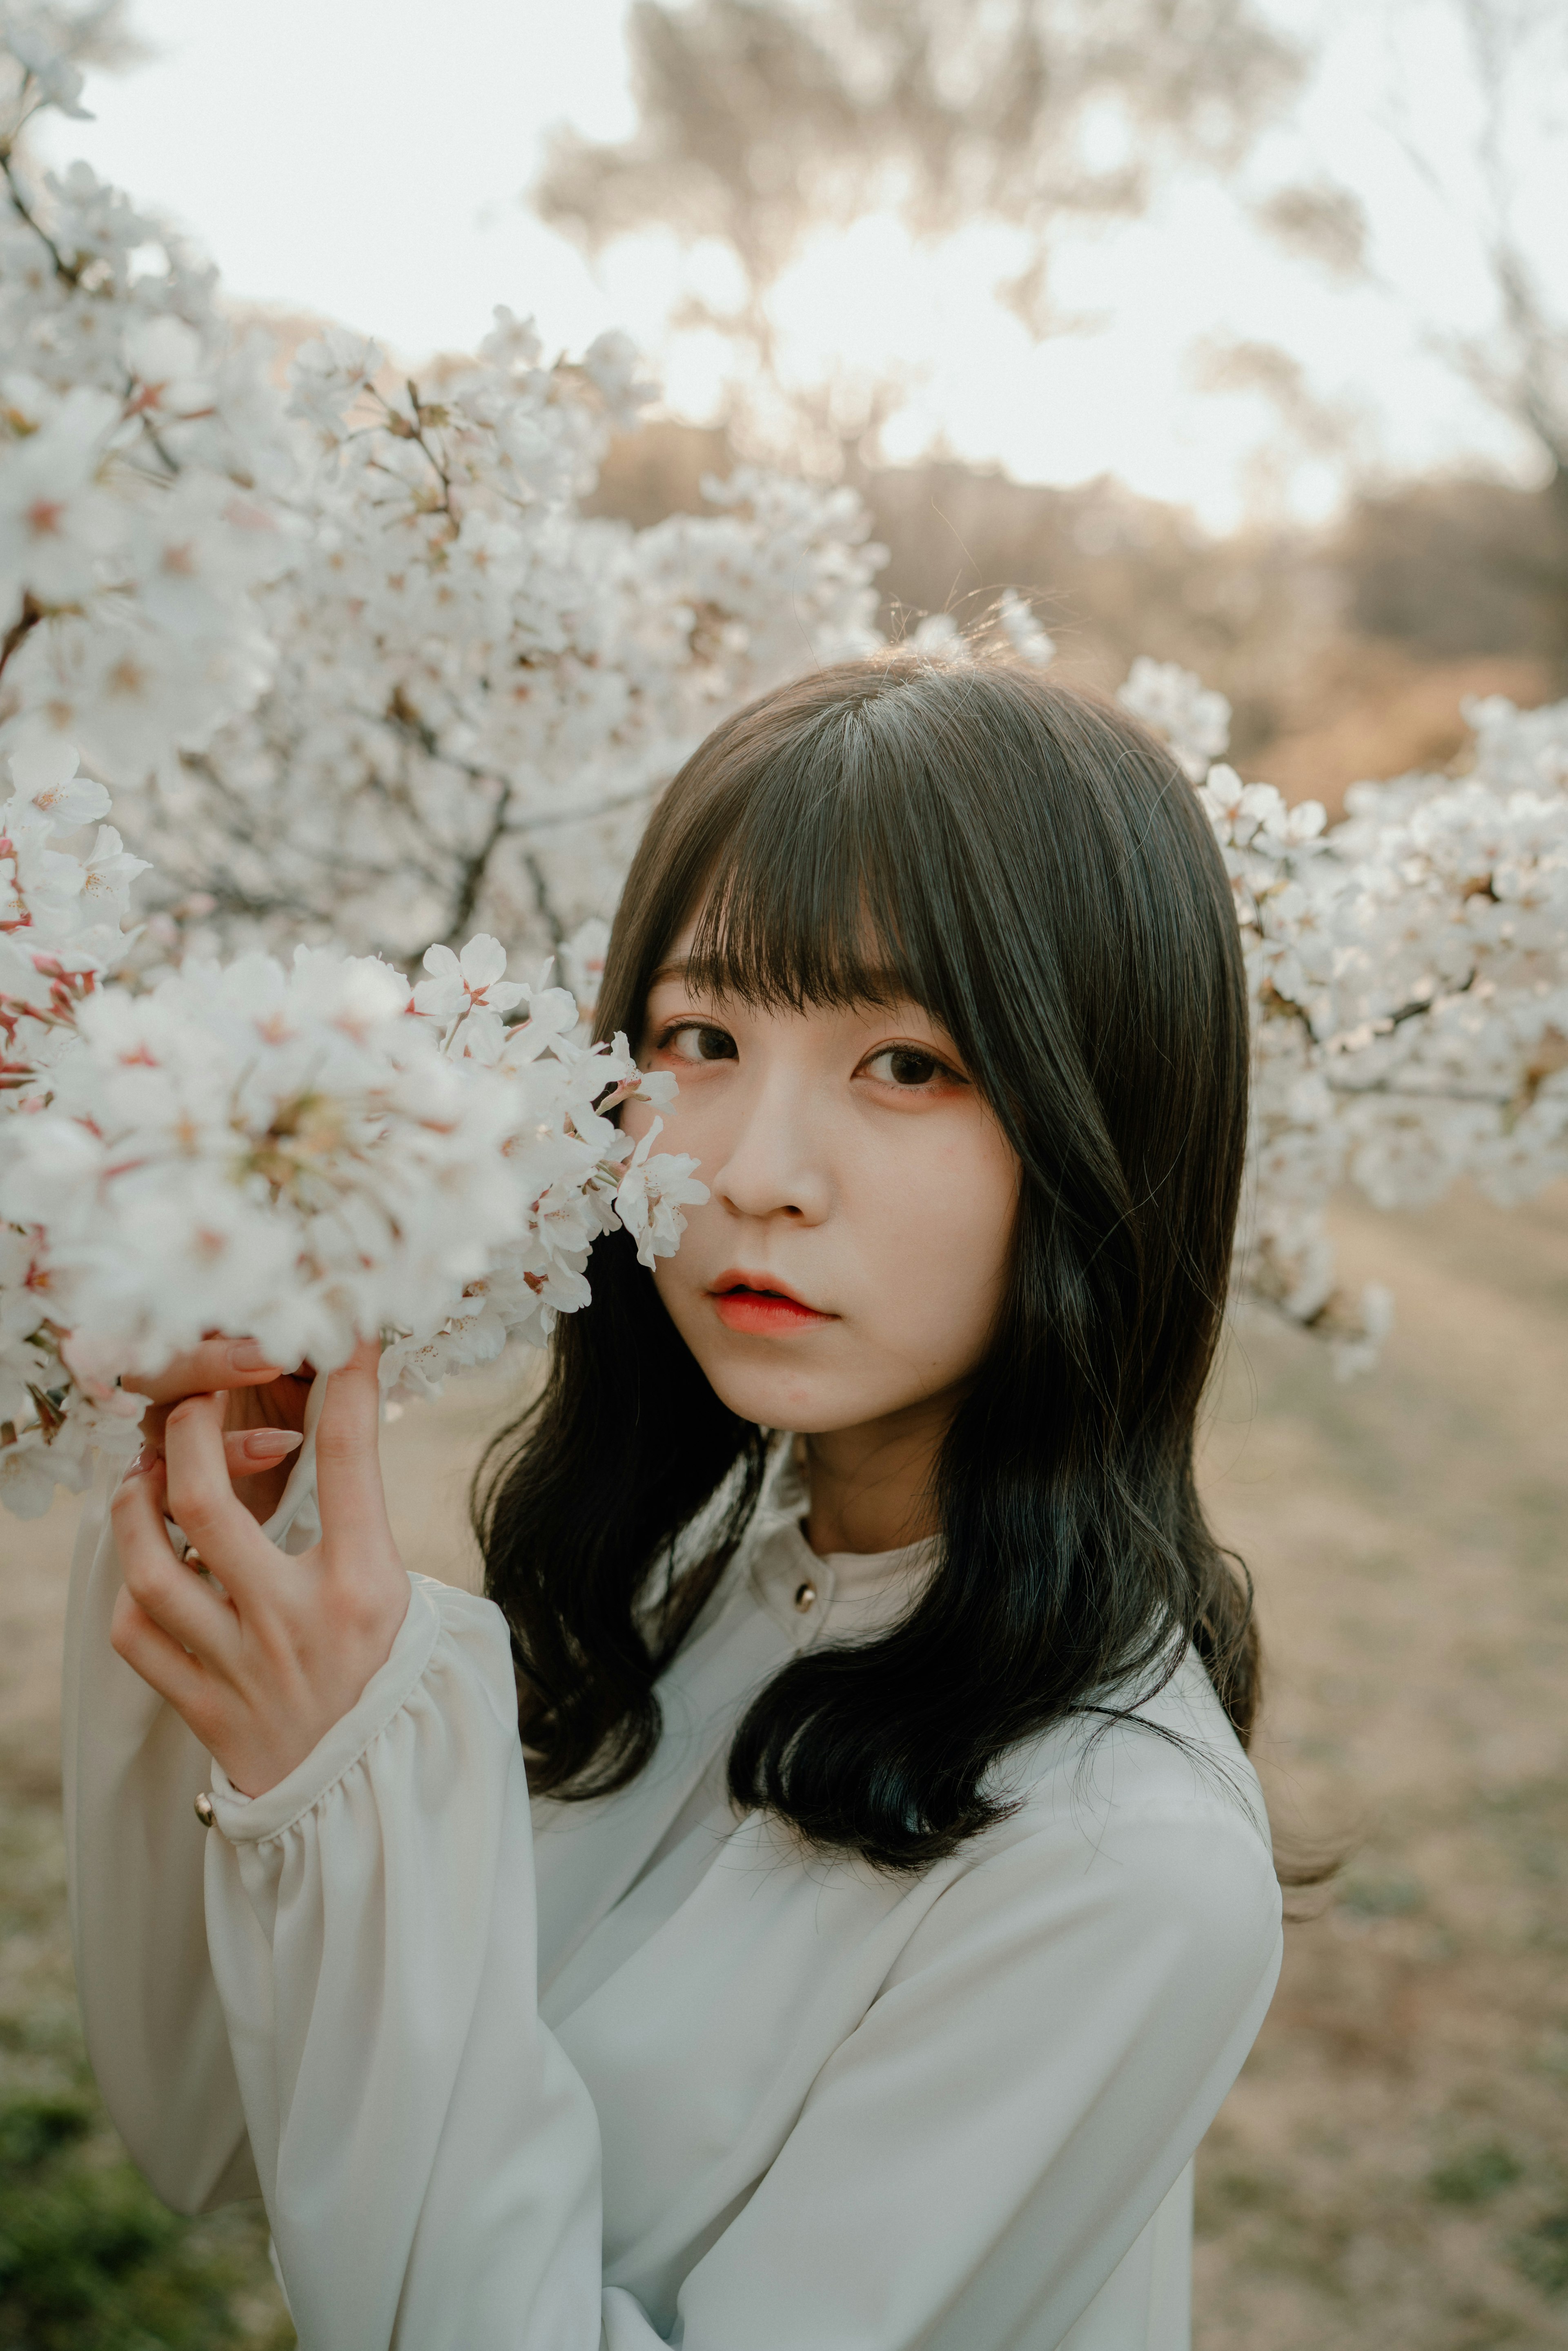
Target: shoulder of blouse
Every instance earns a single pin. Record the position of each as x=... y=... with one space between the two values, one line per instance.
x=1169 y=1752
x=1171 y=1755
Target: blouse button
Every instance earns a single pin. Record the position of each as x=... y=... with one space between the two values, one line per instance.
x=805 y=1598
x=204 y=1812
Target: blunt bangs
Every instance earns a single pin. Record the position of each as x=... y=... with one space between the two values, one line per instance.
x=806 y=863
x=797 y=914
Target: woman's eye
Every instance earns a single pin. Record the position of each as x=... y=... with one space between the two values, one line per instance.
x=905 y=1065
x=697 y=1041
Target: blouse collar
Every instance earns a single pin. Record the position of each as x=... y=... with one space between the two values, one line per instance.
x=841 y=1592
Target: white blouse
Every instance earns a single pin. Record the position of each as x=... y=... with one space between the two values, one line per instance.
x=762 y=2100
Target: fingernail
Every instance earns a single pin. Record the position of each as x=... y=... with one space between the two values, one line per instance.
x=270 y=1444
x=250 y=1356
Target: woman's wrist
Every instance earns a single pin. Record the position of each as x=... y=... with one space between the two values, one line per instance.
x=249 y=1817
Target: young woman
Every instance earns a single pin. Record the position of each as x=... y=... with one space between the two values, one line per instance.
x=898 y=1906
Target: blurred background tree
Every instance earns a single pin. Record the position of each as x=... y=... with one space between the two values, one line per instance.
x=764 y=121
x=1463 y=565
x=764 y=125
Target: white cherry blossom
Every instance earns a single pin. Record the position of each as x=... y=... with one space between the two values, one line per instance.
x=1022 y=633
x=1409 y=977
x=1195 y=719
x=652 y=1193
x=48 y=789
x=474 y=981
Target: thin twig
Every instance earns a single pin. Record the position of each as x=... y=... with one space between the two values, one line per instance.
x=70 y=272
x=22 y=626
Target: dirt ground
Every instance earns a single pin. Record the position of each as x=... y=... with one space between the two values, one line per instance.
x=1391 y=2172
x=1392 y=2169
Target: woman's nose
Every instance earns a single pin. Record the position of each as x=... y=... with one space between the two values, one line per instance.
x=775 y=1166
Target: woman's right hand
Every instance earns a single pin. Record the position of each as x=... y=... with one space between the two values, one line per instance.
x=263 y=1423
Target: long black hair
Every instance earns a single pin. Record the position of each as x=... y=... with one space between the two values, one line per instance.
x=1033 y=868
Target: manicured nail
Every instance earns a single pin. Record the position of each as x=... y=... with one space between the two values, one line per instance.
x=270 y=1444
x=250 y=1356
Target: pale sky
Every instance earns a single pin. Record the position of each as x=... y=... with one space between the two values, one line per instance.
x=364 y=160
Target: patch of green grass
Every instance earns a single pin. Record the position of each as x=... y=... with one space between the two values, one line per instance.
x=1269 y=2228
x=1396 y=1896
x=1542 y=2253
x=1475 y=2175
x=1304 y=2244
x=90 y=2259
x=1222 y=2194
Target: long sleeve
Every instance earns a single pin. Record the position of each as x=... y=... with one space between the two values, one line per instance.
x=135 y=1860
x=154 y=2023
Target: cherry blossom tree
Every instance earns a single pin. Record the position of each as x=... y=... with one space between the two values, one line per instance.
x=364 y=676
x=1408 y=973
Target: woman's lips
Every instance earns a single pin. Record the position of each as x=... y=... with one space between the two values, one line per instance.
x=751 y=1302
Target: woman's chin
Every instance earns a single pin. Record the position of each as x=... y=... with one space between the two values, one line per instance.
x=779 y=1395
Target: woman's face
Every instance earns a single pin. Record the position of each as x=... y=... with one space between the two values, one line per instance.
x=853 y=1252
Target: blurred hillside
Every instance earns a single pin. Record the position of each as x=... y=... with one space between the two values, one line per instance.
x=1344 y=653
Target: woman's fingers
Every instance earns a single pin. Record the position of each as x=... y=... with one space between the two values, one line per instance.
x=251 y=1449
x=165 y=1591
x=215 y=1364
x=261 y=1668
x=348 y=1462
x=202 y=1500
x=246 y=1450
x=162 y=1662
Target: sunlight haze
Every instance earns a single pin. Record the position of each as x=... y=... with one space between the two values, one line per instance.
x=366 y=162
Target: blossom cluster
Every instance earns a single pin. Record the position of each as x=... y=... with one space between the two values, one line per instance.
x=1409 y=977
x=1194 y=719
x=142 y=452
x=309 y=1153
x=479 y=688
x=1010 y=627
x=60 y=931
x=374 y=673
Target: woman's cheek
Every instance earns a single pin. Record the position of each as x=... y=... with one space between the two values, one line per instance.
x=949 y=1234
x=688 y=1121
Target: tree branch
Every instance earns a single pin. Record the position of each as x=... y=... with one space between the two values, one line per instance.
x=24 y=623
x=67 y=271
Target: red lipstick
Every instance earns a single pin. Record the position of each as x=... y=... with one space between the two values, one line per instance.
x=760 y=1302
